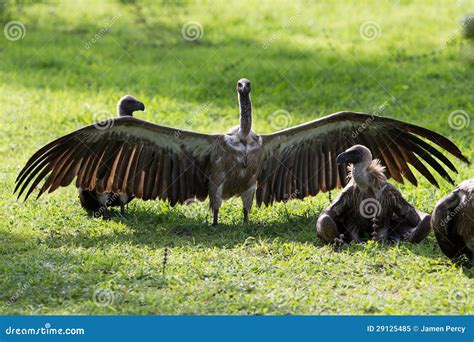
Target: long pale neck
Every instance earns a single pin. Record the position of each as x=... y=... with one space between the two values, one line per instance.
x=361 y=175
x=245 y=114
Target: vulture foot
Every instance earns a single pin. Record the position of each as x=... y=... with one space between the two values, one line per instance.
x=339 y=241
x=106 y=214
x=380 y=236
x=246 y=216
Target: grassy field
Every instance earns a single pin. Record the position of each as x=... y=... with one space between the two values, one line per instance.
x=76 y=60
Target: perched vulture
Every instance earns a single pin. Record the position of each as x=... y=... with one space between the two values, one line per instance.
x=95 y=202
x=151 y=161
x=369 y=206
x=453 y=222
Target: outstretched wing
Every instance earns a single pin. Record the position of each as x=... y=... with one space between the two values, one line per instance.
x=129 y=156
x=301 y=160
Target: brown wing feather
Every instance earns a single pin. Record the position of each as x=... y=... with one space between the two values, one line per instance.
x=305 y=179
x=382 y=143
x=158 y=176
x=299 y=166
x=145 y=173
x=135 y=178
x=122 y=165
x=405 y=171
x=322 y=169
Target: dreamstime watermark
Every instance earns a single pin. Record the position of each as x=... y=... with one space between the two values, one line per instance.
x=292 y=196
x=46 y=330
x=192 y=31
x=275 y=36
x=111 y=198
x=280 y=119
x=203 y=108
x=102 y=119
x=18 y=293
x=189 y=122
x=103 y=31
x=460 y=207
x=459 y=119
x=455 y=34
x=14 y=30
x=368 y=121
x=103 y=297
x=370 y=208
x=459 y=296
x=370 y=30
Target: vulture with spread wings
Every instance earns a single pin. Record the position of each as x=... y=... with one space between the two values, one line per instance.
x=149 y=161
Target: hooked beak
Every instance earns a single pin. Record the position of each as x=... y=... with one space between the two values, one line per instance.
x=141 y=107
x=353 y=157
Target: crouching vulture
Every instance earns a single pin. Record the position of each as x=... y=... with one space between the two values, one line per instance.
x=151 y=161
x=95 y=202
x=453 y=222
x=369 y=206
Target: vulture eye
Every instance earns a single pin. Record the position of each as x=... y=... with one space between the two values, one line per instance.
x=239 y=85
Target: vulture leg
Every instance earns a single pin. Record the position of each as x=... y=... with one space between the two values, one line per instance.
x=247 y=199
x=421 y=230
x=327 y=231
x=215 y=218
x=329 y=226
x=409 y=224
x=353 y=232
x=215 y=197
x=103 y=199
x=246 y=215
x=381 y=229
x=123 y=199
x=106 y=214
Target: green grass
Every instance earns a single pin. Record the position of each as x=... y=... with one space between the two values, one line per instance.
x=308 y=59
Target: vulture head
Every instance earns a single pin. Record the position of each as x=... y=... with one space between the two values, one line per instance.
x=129 y=104
x=355 y=155
x=243 y=86
x=363 y=170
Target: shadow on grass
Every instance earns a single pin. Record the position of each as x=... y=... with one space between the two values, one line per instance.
x=169 y=229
